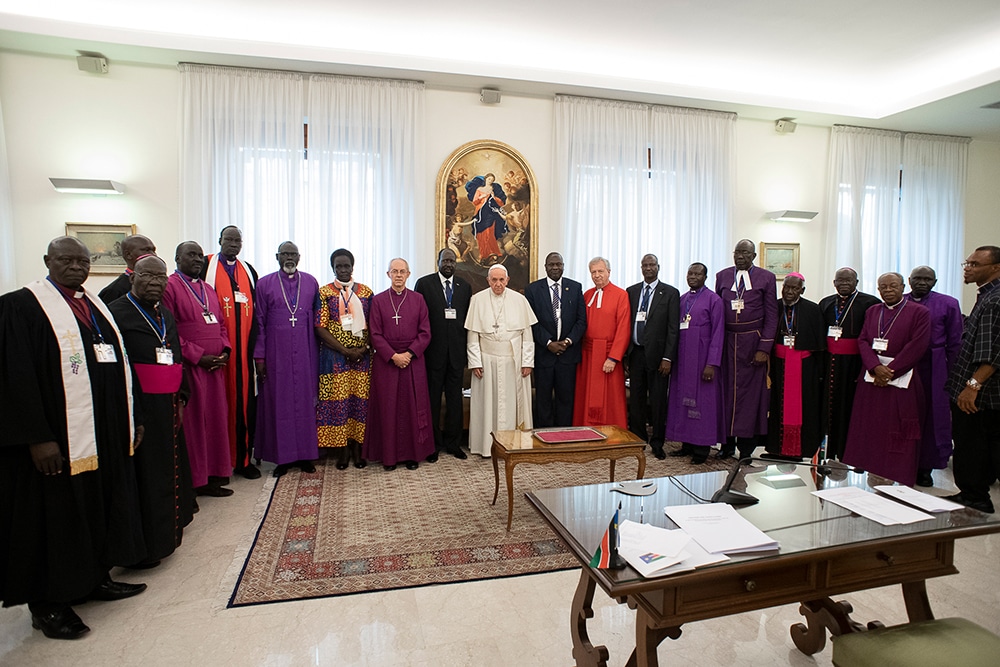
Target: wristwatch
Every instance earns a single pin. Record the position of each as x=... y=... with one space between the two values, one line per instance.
x=974 y=384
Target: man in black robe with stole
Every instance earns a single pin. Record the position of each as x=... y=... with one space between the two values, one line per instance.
x=133 y=247
x=68 y=507
x=162 y=470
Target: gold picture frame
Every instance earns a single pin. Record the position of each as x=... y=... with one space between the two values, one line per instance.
x=104 y=241
x=780 y=258
x=505 y=209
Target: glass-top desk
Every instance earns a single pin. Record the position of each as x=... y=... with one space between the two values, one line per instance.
x=824 y=550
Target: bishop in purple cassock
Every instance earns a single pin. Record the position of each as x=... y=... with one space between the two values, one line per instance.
x=933 y=368
x=399 y=409
x=694 y=407
x=205 y=348
x=286 y=357
x=885 y=431
x=749 y=301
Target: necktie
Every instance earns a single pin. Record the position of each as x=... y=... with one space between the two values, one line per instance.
x=555 y=302
x=640 y=326
x=447 y=291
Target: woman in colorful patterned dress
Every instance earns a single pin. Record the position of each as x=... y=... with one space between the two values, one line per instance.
x=342 y=310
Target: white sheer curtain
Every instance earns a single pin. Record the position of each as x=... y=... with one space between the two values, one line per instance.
x=932 y=212
x=878 y=226
x=863 y=208
x=602 y=173
x=244 y=162
x=364 y=191
x=692 y=190
x=633 y=179
x=242 y=158
x=8 y=277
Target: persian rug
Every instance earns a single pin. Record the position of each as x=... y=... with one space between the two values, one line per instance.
x=337 y=532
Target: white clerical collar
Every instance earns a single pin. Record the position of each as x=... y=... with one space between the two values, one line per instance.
x=745 y=275
x=893 y=305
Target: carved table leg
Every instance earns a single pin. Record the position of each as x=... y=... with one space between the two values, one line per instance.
x=647 y=639
x=612 y=470
x=822 y=615
x=496 y=474
x=509 y=468
x=641 y=458
x=584 y=653
x=918 y=605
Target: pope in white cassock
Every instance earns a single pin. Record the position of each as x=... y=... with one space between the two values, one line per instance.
x=501 y=356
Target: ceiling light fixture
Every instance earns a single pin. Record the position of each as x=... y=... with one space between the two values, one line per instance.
x=792 y=216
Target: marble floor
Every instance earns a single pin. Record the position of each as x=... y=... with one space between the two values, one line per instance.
x=521 y=621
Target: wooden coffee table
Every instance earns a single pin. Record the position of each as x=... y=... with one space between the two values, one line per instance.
x=515 y=447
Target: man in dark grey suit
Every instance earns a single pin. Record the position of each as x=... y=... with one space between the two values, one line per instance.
x=447 y=297
x=655 y=319
x=562 y=319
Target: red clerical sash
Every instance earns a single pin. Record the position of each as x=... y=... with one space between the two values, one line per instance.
x=842 y=346
x=791 y=438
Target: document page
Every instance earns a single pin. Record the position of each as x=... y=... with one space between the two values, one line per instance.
x=918 y=499
x=871 y=506
x=719 y=528
x=648 y=548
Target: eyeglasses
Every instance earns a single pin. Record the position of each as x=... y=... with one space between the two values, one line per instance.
x=153 y=277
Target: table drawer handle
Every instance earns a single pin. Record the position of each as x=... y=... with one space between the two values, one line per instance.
x=889 y=560
x=750 y=585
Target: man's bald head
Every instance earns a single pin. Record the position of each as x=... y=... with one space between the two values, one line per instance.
x=134 y=247
x=68 y=261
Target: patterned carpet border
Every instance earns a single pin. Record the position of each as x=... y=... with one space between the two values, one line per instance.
x=333 y=532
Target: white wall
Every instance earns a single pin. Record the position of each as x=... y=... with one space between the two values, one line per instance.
x=124 y=125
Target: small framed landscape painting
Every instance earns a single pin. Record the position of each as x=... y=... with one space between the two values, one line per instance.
x=780 y=258
x=104 y=241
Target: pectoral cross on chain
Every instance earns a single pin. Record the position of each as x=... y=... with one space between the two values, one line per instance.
x=293 y=320
x=225 y=305
x=397 y=317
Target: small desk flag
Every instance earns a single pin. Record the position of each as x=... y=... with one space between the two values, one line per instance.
x=606 y=557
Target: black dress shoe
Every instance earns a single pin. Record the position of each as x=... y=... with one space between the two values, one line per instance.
x=925 y=479
x=109 y=591
x=679 y=452
x=194 y=507
x=459 y=454
x=659 y=453
x=60 y=624
x=984 y=506
x=213 y=491
x=306 y=466
x=249 y=471
x=698 y=460
x=392 y=467
x=433 y=458
x=280 y=469
x=360 y=463
x=412 y=465
x=723 y=455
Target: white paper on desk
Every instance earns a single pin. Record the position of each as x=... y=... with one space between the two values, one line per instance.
x=903 y=381
x=719 y=528
x=918 y=499
x=871 y=506
x=696 y=557
x=649 y=549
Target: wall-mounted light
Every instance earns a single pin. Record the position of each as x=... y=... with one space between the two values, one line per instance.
x=87 y=186
x=791 y=216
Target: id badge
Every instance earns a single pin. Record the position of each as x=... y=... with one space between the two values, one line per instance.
x=640 y=316
x=789 y=341
x=105 y=353
x=737 y=304
x=834 y=332
x=346 y=321
x=241 y=297
x=164 y=356
x=684 y=324
x=210 y=318
x=880 y=344
x=450 y=314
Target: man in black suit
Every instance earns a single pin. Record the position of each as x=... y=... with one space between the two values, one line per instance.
x=562 y=319
x=447 y=297
x=655 y=320
x=133 y=247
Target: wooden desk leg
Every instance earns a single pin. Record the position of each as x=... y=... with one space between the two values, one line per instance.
x=496 y=474
x=641 y=458
x=822 y=615
x=509 y=468
x=612 y=470
x=584 y=653
x=647 y=640
x=918 y=605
